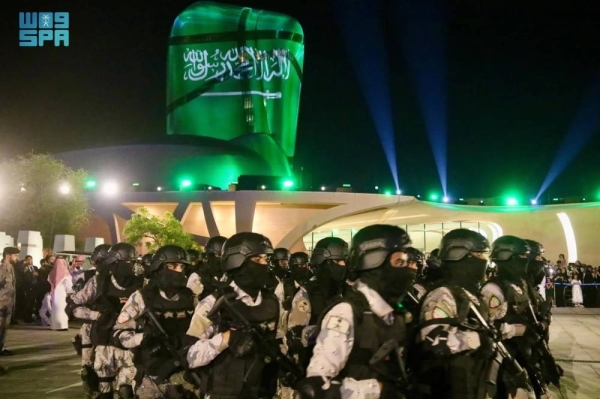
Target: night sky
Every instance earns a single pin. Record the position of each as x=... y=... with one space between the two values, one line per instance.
x=515 y=76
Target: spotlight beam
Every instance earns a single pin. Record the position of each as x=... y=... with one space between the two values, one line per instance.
x=422 y=26
x=361 y=27
x=581 y=130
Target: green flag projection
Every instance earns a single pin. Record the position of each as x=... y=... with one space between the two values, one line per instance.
x=234 y=74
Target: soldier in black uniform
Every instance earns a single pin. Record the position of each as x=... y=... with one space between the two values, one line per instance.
x=231 y=364
x=362 y=337
x=172 y=304
x=195 y=260
x=456 y=350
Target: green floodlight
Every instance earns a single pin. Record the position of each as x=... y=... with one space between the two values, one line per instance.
x=433 y=197
x=90 y=184
x=512 y=201
x=288 y=183
x=185 y=183
x=388 y=193
x=136 y=184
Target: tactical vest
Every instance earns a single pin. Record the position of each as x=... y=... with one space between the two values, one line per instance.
x=458 y=376
x=517 y=300
x=229 y=377
x=109 y=302
x=174 y=317
x=370 y=333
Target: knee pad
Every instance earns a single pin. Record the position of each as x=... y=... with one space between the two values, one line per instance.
x=126 y=392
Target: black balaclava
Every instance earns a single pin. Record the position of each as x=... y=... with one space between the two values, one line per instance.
x=123 y=272
x=535 y=271
x=213 y=266
x=468 y=272
x=331 y=276
x=513 y=269
x=280 y=271
x=301 y=274
x=170 y=281
x=251 y=277
x=392 y=283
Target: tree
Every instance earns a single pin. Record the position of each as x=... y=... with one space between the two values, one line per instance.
x=165 y=230
x=39 y=192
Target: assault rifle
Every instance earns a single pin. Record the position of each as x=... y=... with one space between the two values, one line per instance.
x=550 y=369
x=268 y=347
x=502 y=354
x=391 y=348
x=166 y=341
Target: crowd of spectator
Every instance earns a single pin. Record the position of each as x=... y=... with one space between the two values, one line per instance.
x=573 y=284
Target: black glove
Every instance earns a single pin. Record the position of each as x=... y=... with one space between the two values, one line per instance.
x=531 y=336
x=487 y=347
x=240 y=343
x=514 y=381
x=312 y=388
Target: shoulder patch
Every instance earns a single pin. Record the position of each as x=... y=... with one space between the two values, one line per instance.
x=338 y=324
x=303 y=306
x=494 y=302
x=439 y=313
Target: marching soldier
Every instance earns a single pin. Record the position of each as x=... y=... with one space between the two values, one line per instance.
x=164 y=304
x=359 y=350
x=205 y=280
x=457 y=348
x=508 y=298
x=80 y=305
x=231 y=360
x=111 y=362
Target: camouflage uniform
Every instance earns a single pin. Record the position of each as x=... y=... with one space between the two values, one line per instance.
x=82 y=298
x=7 y=298
x=110 y=361
x=128 y=332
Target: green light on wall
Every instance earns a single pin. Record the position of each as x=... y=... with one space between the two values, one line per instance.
x=512 y=201
x=288 y=183
x=388 y=193
x=434 y=197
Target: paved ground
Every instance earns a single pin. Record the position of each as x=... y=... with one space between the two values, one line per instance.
x=45 y=364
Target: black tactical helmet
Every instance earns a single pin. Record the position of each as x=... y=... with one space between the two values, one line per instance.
x=460 y=242
x=414 y=255
x=299 y=259
x=121 y=251
x=214 y=246
x=167 y=254
x=536 y=249
x=100 y=252
x=329 y=248
x=146 y=260
x=193 y=255
x=433 y=259
x=280 y=254
x=373 y=244
x=241 y=246
x=506 y=247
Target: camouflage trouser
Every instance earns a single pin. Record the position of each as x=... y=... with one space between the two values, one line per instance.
x=176 y=388
x=112 y=364
x=87 y=349
x=5 y=315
